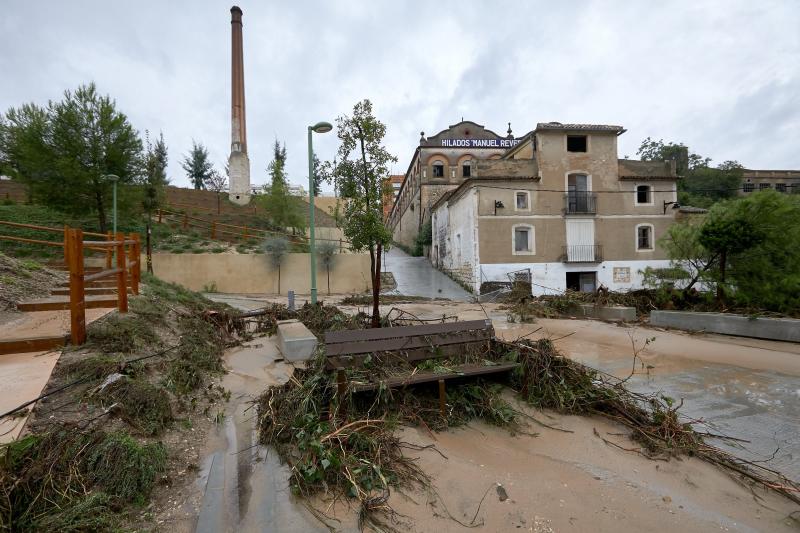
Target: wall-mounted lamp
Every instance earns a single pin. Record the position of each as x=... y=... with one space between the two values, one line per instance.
x=675 y=205
x=498 y=203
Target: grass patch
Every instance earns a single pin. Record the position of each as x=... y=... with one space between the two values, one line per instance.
x=127 y=333
x=70 y=478
x=144 y=406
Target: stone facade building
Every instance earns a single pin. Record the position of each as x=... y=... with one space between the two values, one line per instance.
x=440 y=164
x=787 y=181
x=558 y=208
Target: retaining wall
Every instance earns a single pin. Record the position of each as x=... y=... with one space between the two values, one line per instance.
x=253 y=273
x=779 y=329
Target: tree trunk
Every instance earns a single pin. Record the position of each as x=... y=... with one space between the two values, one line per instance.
x=279 y=280
x=328 y=270
x=148 y=247
x=720 y=290
x=375 y=260
x=101 y=211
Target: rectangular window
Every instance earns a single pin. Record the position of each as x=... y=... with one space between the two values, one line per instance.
x=522 y=241
x=522 y=200
x=643 y=194
x=780 y=187
x=748 y=187
x=438 y=171
x=576 y=143
x=644 y=240
x=466 y=170
x=762 y=186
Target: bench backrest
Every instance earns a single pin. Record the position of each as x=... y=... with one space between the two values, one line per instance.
x=416 y=342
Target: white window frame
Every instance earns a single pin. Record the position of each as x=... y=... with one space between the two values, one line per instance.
x=531 y=239
x=527 y=200
x=636 y=194
x=652 y=238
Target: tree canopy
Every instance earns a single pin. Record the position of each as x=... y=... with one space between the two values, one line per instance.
x=283 y=209
x=361 y=165
x=749 y=248
x=63 y=151
x=197 y=165
x=702 y=185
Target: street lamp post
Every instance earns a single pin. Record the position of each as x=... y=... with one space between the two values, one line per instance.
x=113 y=178
x=319 y=127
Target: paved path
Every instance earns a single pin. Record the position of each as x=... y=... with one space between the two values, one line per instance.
x=415 y=276
x=23 y=376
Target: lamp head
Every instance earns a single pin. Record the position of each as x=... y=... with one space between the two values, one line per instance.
x=111 y=177
x=322 y=127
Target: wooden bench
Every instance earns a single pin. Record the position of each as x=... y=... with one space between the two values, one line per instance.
x=349 y=349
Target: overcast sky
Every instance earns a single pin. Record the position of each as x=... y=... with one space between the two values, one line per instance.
x=721 y=76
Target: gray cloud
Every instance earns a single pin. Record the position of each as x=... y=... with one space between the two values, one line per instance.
x=721 y=76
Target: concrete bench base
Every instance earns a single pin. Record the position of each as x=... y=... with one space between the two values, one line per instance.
x=625 y=314
x=778 y=329
x=295 y=341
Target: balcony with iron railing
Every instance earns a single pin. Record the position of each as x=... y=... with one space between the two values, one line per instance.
x=580 y=203
x=582 y=253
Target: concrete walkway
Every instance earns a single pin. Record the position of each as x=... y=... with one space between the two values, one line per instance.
x=23 y=376
x=415 y=276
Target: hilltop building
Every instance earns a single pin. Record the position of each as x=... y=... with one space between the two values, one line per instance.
x=787 y=181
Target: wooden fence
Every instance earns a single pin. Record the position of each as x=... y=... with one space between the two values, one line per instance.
x=126 y=250
x=219 y=230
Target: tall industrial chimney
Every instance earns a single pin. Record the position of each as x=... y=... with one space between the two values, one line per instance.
x=238 y=162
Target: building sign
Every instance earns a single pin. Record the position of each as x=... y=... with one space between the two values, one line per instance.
x=622 y=274
x=480 y=143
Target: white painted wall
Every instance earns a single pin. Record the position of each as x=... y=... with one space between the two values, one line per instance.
x=550 y=278
x=458 y=219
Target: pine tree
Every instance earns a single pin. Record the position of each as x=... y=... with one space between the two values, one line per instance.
x=197 y=165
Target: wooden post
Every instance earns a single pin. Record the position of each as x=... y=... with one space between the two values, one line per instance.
x=122 y=278
x=132 y=259
x=109 y=250
x=66 y=245
x=245 y=232
x=213 y=229
x=185 y=221
x=442 y=399
x=77 y=302
x=159 y=215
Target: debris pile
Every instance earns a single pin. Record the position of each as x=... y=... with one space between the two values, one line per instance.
x=348 y=447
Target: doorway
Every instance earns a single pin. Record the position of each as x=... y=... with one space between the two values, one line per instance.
x=582 y=281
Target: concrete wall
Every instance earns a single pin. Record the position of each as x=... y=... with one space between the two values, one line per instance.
x=779 y=329
x=550 y=278
x=456 y=225
x=252 y=273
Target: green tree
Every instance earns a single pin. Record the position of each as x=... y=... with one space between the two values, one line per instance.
x=155 y=162
x=326 y=251
x=361 y=165
x=63 y=151
x=702 y=185
x=748 y=247
x=283 y=209
x=276 y=249
x=320 y=175
x=197 y=165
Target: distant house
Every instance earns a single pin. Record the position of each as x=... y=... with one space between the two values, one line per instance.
x=785 y=181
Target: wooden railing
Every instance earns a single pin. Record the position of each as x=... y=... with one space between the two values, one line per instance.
x=128 y=266
x=217 y=230
x=127 y=251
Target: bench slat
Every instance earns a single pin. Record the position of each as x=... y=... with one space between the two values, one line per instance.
x=355 y=335
x=407 y=343
x=426 y=377
x=338 y=362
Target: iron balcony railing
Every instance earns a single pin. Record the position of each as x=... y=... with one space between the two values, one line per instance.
x=583 y=253
x=580 y=202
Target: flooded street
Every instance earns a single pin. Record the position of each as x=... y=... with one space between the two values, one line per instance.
x=744 y=388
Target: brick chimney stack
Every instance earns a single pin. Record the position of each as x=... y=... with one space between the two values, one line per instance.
x=238 y=162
